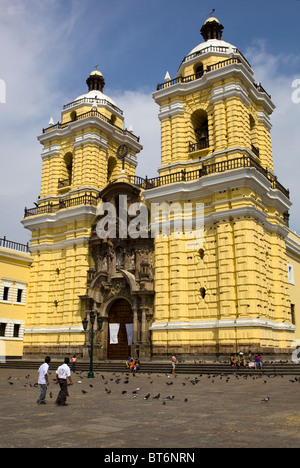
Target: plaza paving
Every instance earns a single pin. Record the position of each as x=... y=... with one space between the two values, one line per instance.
x=206 y=411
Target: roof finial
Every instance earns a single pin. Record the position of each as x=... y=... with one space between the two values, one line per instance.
x=212 y=29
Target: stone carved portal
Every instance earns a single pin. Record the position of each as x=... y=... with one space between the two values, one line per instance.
x=120 y=286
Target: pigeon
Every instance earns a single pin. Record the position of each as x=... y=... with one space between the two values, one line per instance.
x=107 y=391
x=51 y=395
x=92 y=386
x=156 y=397
x=147 y=396
x=124 y=391
x=10 y=383
x=83 y=391
x=163 y=401
x=170 y=397
x=169 y=383
x=266 y=399
x=185 y=400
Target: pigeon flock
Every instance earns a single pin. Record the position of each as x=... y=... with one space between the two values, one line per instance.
x=117 y=384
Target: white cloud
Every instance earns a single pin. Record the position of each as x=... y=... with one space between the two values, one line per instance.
x=141 y=112
x=33 y=56
x=277 y=73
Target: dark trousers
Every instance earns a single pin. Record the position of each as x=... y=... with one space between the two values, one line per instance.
x=62 y=396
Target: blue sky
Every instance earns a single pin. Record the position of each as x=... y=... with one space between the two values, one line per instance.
x=47 y=50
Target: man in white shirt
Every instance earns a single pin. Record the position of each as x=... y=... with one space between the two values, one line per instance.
x=43 y=380
x=63 y=373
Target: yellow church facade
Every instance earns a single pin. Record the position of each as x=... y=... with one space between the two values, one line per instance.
x=15 y=264
x=234 y=288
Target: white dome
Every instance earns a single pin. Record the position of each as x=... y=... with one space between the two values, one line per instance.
x=214 y=43
x=94 y=94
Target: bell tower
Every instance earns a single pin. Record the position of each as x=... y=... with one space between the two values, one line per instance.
x=230 y=292
x=79 y=159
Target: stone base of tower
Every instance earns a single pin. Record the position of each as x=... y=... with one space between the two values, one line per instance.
x=221 y=343
x=57 y=346
x=212 y=353
x=55 y=352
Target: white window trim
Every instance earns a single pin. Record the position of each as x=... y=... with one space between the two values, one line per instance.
x=9 y=330
x=291 y=274
x=13 y=291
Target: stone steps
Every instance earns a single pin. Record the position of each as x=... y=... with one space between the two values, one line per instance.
x=163 y=367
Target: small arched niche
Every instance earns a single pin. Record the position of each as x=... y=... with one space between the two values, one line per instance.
x=111 y=166
x=199 y=70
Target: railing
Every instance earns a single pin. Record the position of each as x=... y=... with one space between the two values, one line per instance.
x=91 y=113
x=200 y=145
x=86 y=199
x=217 y=49
x=196 y=76
x=7 y=244
x=62 y=183
x=255 y=150
x=259 y=88
x=93 y=101
x=223 y=166
x=215 y=66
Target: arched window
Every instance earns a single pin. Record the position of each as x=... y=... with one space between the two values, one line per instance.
x=73 y=116
x=68 y=160
x=253 y=136
x=200 y=134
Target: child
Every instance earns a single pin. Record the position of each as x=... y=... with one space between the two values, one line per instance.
x=74 y=360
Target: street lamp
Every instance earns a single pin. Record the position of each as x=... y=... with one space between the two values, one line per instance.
x=85 y=325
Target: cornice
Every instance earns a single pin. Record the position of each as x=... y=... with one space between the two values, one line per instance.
x=221 y=324
x=93 y=121
x=60 y=218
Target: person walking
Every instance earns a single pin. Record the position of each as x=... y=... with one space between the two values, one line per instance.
x=63 y=373
x=43 y=380
x=174 y=362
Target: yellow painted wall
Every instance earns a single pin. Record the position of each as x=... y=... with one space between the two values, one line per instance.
x=14 y=273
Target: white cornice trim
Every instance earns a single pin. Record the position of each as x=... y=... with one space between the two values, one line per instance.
x=50 y=151
x=12 y=255
x=52 y=330
x=215 y=324
x=91 y=138
x=46 y=247
x=170 y=110
x=229 y=91
x=293 y=248
x=73 y=127
x=60 y=218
